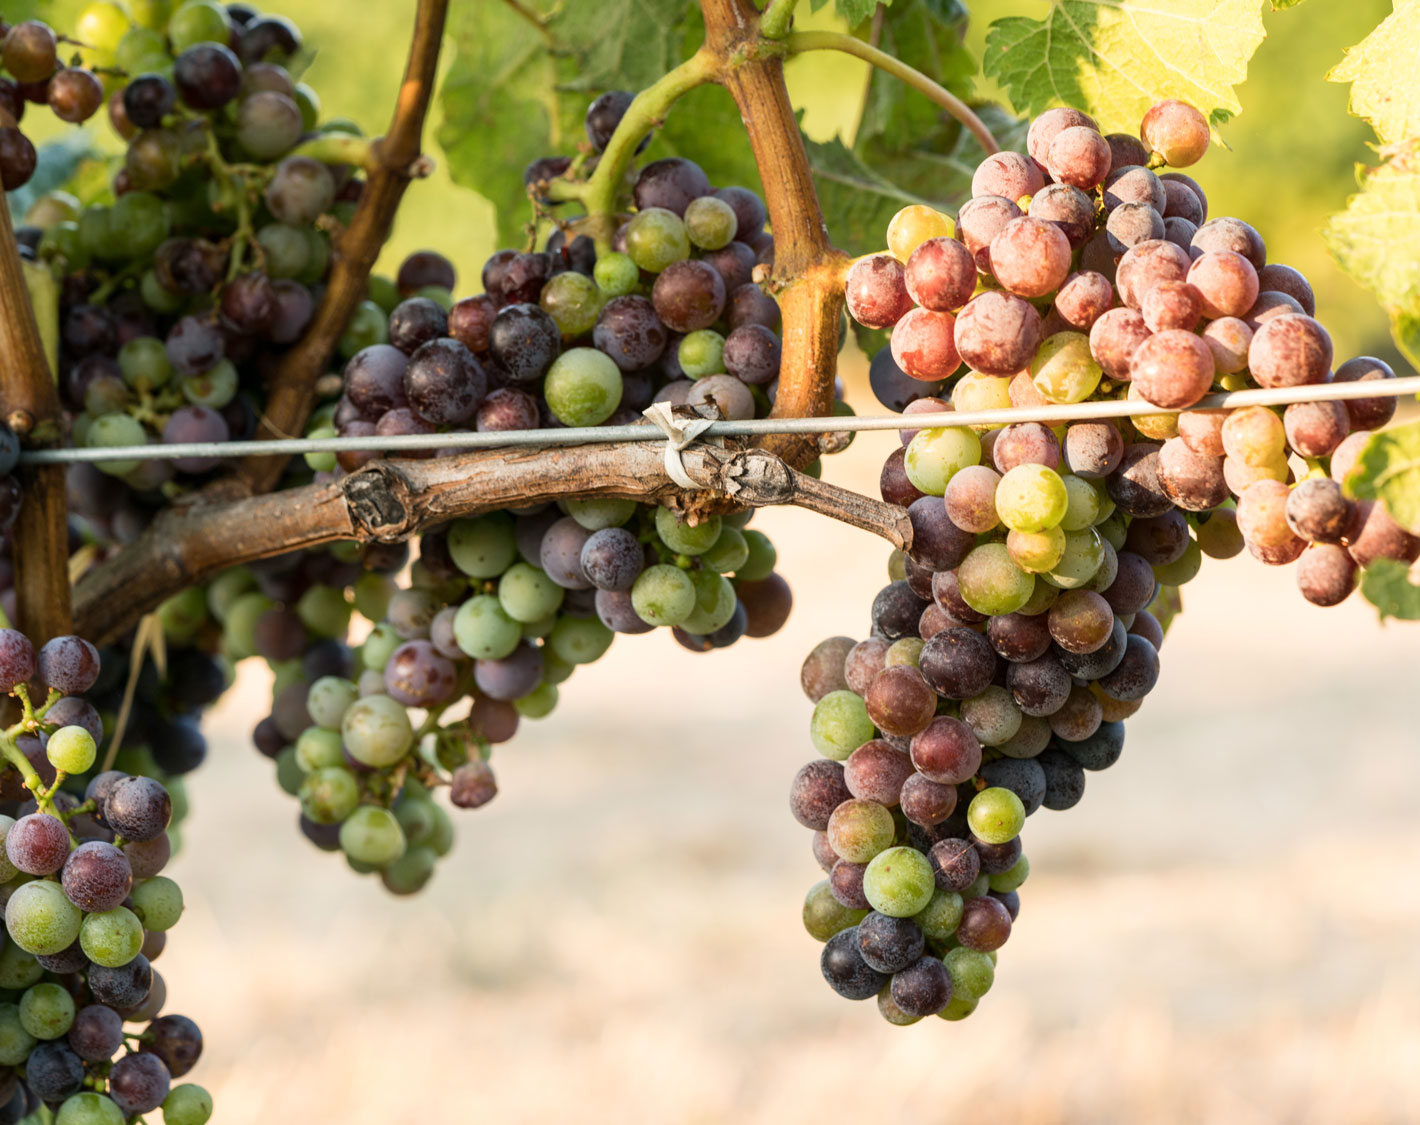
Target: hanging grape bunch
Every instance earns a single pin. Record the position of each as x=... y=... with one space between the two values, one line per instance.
x=1024 y=625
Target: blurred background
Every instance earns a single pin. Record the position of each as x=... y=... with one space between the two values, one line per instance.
x=1224 y=930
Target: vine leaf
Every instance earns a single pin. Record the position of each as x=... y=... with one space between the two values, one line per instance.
x=857 y=202
x=1115 y=58
x=624 y=44
x=1282 y=5
x=1386 y=585
x=851 y=12
x=1381 y=70
x=1377 y=241
x=1388 y=470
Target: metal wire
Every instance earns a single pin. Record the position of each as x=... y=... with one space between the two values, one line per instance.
x=644 y=431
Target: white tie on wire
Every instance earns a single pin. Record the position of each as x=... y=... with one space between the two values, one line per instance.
x=679 y=434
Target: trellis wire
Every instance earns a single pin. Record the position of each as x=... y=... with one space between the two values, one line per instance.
x=581 y=435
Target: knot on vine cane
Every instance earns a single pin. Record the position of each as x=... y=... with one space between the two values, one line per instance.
x=680 y=433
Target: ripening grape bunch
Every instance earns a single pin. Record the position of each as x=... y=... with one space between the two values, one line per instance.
x=1022 y=627
x=87 y=909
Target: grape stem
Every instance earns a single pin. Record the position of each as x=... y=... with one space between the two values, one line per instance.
x=800 y=41
x=778 y=15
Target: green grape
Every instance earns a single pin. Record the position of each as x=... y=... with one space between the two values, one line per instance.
x=579 y=640
x=158 y=902
x=140 y=222
x=1082 y=507
x=1036 y=551
x=377 y=731
x=368 y=326
x=958 y=1008
x=555 y=670
x=324 y=611
x=1084 y=552
x=701 y=353
x=268 y=124
x=1184 y=568
x=656 y=238
x=188 y=1104
x=329 y=795
x=156 y=297
x=974 y=391
x=933 y=457
x=112 y=430
x=538 y=703
x=583 y=387
x=681 y=537
x=308 y=102
x=824 y=915
x=483 y=630
x=411 y=871
x=905 y=651
x=379 y=646
x=372 y=594
x=217 y=386
x=89 y=1109
x=47 y=1010
x=144 y=362
x=616 y=274
x=539 y=628
x=442 y=838
x=289 y=774
x=114 y=937
x=972 y=973
x=663 y=595
x=152 y=14
x=762 y=557
x=62 y=241
x=1012 y=877
x=715 y=603
x=287 y=254
x=840 y=724
x=991 y=583
x=483 y=547
x=1031 y=497
x=1113 y=530
x=573 y=301
x=96 y=236
x=1064 y=370
x=372 y=835
x=384 y=292
x=71 y=749
x=710 y=223
x=729 y=553
x=317 y=257
x=197 y=21
x=859 y=830
x=41 y=920
x=527 y=594
x=940 y=917
x=100 y=28
x=415 y=813
x=15 y=1041
x=899 y=882
x=7 y=869
x=996 y=815
x=598 y=512
x=18 y=970
x=328 y=700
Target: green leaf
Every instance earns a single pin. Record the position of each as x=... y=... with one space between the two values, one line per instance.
x=1386 y=585
x=705 y=126
x=1388 y=470
x=1281 y=5
x=619 y=44
x=854 y=12
x=1377 y=241
x=857 y=202
x=1115 y=58
x=1381 y=70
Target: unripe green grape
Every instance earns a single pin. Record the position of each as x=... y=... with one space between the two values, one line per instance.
x=1036 y=551
x=62 y=240
x=328 y=700
x=656 y=238
x=100 y=28
x=90 y=1109
x=71 y=749
x=324 y=611
x=701 y=353
x=371 y=835
x=41 y=919
x=483 y=630
x=7 y=869
x=940 y=917
x=47 y=1010
x=715 y=603
x=914 y=225
x=442 y=838
x=1012 y=877
x=663 y=595
x=372 y=594
x=15 y=1041
x=905 y=652
x=483 y=547
x=1082 y=508
x=538 y=703
x=859 y=830
x=52 y=208
x=151 y=14
x=217 y=386
x=379 y=646
x=583 y=387
x=899 y=882
x=975 y=391
x=840 y=724
x=991 y=583
x=410 y=872
x=1113 y=530
x=1084 y=552
x=240 y=622
x=377 y=731
x=156 y=297
x=384 y=292
x=555 y=670
x=728 y=553
x=824 y=915
x=436 y=293
x=617 y=274
x=1064 y=370
x=973 y=973
x=540 y=627
x=573 y=301
x=710 y=223
x=288 y=254
x=1183 y=569
x=308 y=101
x=197 y=21
x=113 y=937
x=681 y=537
x=933 y=457
x=579 y=640
x=188 y=1104
x=144 y=362
x=598 y=512
x=763 y=556
x=527 y=594
x=329 y=795
x=18 y=969
x=153 y=162
x=113 y=430
x=1031 y=497
x=140 y=222
x=289 y=774
x=996 y=815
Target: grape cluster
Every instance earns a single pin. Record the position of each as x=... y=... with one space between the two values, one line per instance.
x=1023 y=626
x=35 y=74
x=87 y=909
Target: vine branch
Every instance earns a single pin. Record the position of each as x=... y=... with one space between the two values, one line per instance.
x=396 y=159
x=388 y=501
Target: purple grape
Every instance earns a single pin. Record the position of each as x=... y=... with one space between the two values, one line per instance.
x=415 y=322
x=513 y=676
x=68 y=664
x=96 y=877
x=560 y=554
x=417 y=675
x=612 y=559
x=374 y=380
x=195 y=424
x=671 y=183
x=630 y=332
x=139 y=1083
x=96 y=1033
x=444 y=382
x=688 y=295
x=194 y=344
x=123 y=987
x=139 y=808
x=524 y=340
x=616 y=612
x=37 y=844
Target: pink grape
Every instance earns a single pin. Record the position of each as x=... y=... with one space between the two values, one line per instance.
x=1030 y=257
x=876 y=291
x=941 y=275
x=922 y=345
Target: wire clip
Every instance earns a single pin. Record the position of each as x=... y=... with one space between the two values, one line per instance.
x=680 y=433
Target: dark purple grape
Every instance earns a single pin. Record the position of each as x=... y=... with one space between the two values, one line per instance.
x=945 y=750
x=1278 y=278
x=1137 y=673
x=751 y=354
x=524 y=340
x=1064 y=779
x=248 y=304
x=147 y=858
x=937 y=543
x=53 y=1071
x=444 y=382
x=766 y=604
x=888 y=944
x=470 y=320
x=1365 y=413
x=17 y=158
x=139 y=808
x=72 y=712
x=671 y=183
x=688 y=295
x=139 y=1083
x=1022 y=776
x=605 y=114
x=96 y=1033
x=524 y=277
x=1068 y=208
x=415 y=322
x=845 y=970
x=511 y=677
x=612 y=559
x=375 y=380
x=985 y=923
x=68 y=664
x=417 y=675
x=427 y=269
x=734 y=262
x=194 y=344
x=123 y=987
x=207 y=76
x=293 y=307
x=923 y=988
x=958 y=663
x=560 y=554
x=148 y=99
x=507 y=408
x=896 y=611
x=1039 y=687
x=199 y=424
x=97 y=877
x=748 y=208
x=956 y=865
x=616 y=612
x=1019 y=638
x=37 y=844
x=749 y=304
x=264 y=37
x=630 y=332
